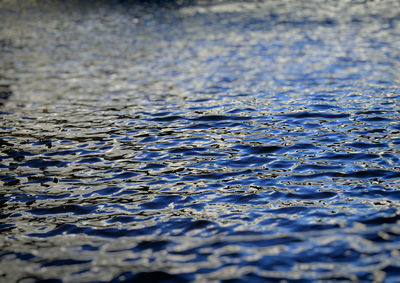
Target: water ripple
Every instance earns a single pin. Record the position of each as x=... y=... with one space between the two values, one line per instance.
x=199 y=141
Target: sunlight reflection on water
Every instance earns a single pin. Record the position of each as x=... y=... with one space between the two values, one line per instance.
x=199 y=141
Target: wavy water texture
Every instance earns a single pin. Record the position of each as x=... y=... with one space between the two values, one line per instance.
x=199 y=141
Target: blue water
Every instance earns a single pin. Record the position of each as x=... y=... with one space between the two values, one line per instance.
x=199 y=141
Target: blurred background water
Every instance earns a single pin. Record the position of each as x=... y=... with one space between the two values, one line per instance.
x=199 y=140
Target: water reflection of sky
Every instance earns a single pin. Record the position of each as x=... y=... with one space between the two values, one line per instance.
x=199 y=141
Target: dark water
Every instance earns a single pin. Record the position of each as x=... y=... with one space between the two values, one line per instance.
x=200 y=141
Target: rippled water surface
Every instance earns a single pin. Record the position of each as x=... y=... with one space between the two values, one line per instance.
x=199 y=141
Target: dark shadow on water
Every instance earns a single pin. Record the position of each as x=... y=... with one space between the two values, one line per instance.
x=5 y=93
